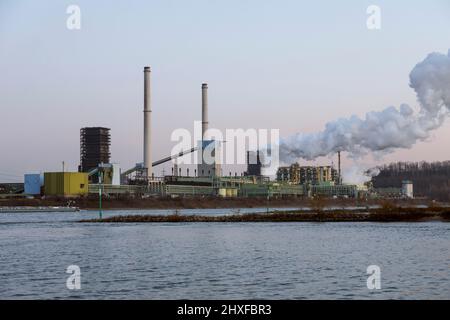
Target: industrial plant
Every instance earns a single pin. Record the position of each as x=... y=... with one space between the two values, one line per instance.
x=97 y=174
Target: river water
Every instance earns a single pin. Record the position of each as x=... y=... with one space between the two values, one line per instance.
x=220 y=260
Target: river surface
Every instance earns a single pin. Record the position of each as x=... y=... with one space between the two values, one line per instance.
x=220 y=260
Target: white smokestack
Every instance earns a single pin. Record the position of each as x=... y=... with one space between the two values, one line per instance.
x=204 y=110
x=147 y=124
x=386 y=130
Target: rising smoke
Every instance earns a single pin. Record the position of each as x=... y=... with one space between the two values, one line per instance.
x=386 y=130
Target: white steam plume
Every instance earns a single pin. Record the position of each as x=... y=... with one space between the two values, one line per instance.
x=358 y=173
x=386 y=130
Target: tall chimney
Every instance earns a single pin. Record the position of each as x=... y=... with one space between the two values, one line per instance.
x=204 y=110
x=339 y=168
x=147 y=124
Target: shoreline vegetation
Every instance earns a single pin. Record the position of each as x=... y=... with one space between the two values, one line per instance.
x=129 y=203
x=385 y=214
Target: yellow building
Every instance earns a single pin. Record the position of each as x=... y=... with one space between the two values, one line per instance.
x=65 y=183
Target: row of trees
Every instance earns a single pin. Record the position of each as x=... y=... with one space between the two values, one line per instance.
x=431 y=179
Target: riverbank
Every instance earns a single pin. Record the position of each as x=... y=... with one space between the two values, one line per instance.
x=393 y=214
x=125 y=203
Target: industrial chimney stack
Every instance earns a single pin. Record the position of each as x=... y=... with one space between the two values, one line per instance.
x=339 y=168
x=204 y=110
x=147 y=124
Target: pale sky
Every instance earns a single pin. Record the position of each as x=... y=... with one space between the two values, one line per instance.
x=291 y=65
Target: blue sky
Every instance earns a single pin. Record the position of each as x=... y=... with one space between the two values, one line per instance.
x=292 y=65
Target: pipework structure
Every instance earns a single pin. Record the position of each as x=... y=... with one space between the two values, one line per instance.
x=147 y=125
x=297 y=174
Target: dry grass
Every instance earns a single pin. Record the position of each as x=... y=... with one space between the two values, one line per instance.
x=396 y=214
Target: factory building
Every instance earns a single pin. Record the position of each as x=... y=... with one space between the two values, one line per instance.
x=386 y=193
x=97 y=173
x=296 y=174
x=11 y=188
x=208 y=180
x=65 y=183
x=209 y=159
x=254 y=166
x=94 y=148
x=405 y=192
x=111 y=173
x=329 y=190
x=408 y=189
x=33 y=183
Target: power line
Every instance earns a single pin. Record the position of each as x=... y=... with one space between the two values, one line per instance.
x=10 y=175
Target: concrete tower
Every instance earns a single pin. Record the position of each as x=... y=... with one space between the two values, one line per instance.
x=204 y=110
x=147 y=124
x=208 y=147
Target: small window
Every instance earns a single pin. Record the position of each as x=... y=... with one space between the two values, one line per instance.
x=82 y=186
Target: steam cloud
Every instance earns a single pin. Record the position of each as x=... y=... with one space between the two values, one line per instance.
x=386 y=130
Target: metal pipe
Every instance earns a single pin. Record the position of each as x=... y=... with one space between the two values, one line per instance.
x=147 y=124
x=154 y=164
x=182 y=153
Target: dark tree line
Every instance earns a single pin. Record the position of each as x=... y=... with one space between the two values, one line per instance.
x=431 y=179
